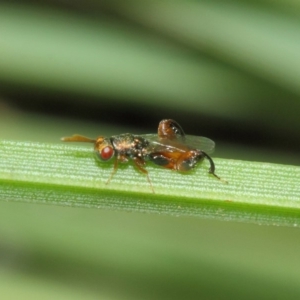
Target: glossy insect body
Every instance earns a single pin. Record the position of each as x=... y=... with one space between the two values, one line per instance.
x=170 y=148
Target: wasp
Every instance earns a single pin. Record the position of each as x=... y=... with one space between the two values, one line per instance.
x=170 y=148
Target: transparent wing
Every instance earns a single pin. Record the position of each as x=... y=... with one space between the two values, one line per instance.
x=200 y=142
x=180 y=144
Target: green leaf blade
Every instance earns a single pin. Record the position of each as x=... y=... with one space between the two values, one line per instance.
x=67 y=174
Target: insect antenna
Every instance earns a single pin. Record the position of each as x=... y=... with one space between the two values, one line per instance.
x=77 y=138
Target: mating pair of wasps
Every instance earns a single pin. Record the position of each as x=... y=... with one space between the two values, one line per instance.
x=170 y=148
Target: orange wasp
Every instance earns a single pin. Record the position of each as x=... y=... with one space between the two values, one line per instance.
x=169 y=148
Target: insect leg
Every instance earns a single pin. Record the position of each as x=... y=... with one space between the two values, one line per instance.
x=140 y=163
x=113 y=171
x=212 y=167
x=188 y=160
x=162 y=160
x=170 y=129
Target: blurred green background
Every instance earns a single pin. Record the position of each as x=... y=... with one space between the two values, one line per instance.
x=229 y=71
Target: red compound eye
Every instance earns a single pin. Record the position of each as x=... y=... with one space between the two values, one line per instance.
x=106 y=153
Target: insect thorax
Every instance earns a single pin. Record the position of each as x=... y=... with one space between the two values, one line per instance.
x=129 y=145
